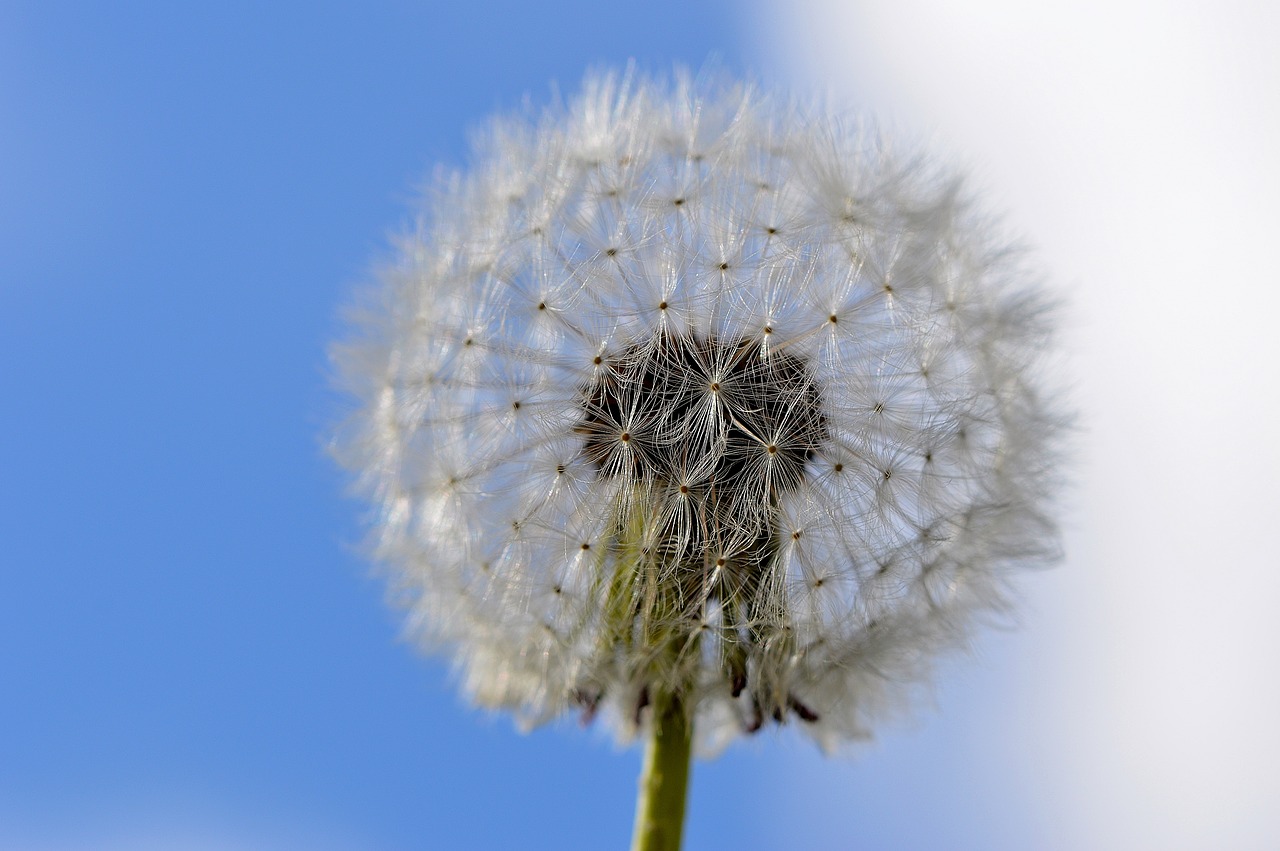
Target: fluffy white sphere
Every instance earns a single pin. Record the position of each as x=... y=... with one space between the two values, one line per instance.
x=684 y=388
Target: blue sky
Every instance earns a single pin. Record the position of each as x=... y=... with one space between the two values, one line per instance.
x=189 y=649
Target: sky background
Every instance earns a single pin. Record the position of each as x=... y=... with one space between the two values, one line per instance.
x=193 y=657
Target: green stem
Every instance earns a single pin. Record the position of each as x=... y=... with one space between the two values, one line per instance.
x=664 y=780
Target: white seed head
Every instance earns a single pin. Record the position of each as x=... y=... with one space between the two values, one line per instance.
x=685 y=388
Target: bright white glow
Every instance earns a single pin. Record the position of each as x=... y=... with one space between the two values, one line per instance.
x=1135 y=144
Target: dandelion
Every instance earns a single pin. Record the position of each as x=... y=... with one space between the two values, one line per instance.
x=693 y=409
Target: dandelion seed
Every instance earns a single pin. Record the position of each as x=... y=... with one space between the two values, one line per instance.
x=776 y=497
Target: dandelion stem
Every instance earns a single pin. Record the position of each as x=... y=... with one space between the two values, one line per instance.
x=664 y=780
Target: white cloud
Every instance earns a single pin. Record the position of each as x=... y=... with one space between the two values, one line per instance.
x=1134 y=143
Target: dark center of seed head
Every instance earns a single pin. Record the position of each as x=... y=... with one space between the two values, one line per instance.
x=729 y=420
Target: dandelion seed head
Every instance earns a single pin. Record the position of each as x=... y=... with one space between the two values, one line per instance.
x=687 y=387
